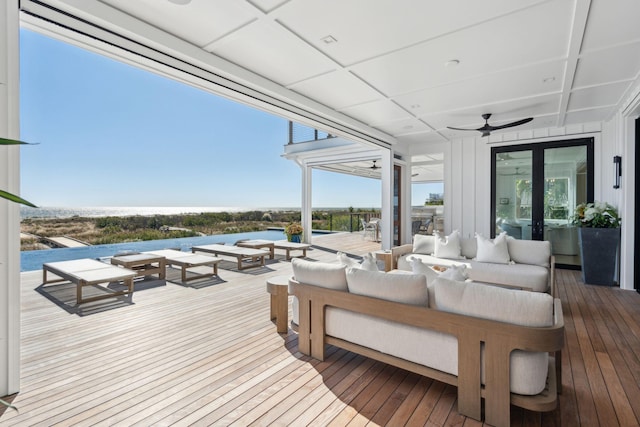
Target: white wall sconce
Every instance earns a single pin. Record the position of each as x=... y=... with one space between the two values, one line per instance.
x=617 y=167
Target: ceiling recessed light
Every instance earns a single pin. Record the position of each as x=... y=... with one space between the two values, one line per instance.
x=180 y=2
x=548 y=80
x=328 y=39
x=452 y=63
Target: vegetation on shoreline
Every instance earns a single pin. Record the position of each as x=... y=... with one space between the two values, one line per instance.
x=111 y=229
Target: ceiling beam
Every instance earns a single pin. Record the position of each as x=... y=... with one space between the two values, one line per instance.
x=580 y=16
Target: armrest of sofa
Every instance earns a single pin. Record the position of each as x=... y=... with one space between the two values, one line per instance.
x=398 y=251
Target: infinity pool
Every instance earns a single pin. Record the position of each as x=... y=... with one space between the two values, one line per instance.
x=33 y=260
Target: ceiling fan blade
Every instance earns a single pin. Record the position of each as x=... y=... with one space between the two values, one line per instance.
x=486 y=129
x=452 y=128
x=512 y=124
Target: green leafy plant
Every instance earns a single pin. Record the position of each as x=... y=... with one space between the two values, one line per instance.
x=293 y=228
x=596 y=215
x=7 y=195
x=8 y=405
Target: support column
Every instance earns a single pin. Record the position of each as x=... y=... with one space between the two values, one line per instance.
x=306 y=206
x=386 y=230
x=9 y=212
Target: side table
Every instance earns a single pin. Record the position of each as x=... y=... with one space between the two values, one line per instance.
x=278 y=287
x=387 y=257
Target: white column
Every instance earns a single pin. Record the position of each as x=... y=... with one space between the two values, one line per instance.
x=9 y=212
x=306 y=206
x=386 y=228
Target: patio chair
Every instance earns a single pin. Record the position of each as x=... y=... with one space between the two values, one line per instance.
x=370 y=228
x=415 y=227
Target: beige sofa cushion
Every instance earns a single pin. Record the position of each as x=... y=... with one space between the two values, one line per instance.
x=426 y=347
x=322 y=274
x=402 y=288
x=528 y=369
x=532 y=252
x=526 y=276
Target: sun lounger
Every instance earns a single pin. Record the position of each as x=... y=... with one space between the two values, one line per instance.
x=88 y=272
x=258 y=244
x=246 y=257
x=292 y=246
x=186 y=260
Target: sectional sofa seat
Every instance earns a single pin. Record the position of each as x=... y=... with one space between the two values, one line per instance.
x=523 y=264
x=490 y=342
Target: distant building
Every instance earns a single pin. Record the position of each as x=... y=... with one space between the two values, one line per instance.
x=435 y=199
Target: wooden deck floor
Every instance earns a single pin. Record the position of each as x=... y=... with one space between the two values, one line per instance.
x=207 y=354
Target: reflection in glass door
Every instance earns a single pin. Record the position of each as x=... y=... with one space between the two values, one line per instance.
x=536 y=188
x=513 y=193
x=565 y=187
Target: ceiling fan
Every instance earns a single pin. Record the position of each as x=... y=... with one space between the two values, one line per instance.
x=487 y=128
x=374 y=167
x=517 y=173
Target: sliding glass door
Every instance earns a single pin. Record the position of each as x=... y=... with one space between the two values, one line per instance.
x=535 y=189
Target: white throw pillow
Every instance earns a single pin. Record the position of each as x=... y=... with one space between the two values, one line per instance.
x=495 y=251
x=402 y=288
x=346 y=261
x=369 y=263
x=423 y=244
x=419 y=267
x=456 y=272
x=447 y=246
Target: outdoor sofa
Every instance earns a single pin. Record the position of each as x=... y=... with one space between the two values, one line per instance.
x=522 y=264
x=491 y=343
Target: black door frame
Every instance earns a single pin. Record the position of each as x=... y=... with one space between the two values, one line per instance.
x=537 y=176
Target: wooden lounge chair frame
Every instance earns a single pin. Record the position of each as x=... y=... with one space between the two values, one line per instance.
x=88 y=272
x=291 y=246
x=499 y=340
x=187 y=260
x=246 y=257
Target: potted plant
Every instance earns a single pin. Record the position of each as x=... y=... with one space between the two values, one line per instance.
x=4 y=194
x=293 y=232
x=599 y=237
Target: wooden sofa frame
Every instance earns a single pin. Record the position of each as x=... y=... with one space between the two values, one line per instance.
x=398 y=251
x=499 y=340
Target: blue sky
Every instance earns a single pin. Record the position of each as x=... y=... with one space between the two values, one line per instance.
x=110 y=134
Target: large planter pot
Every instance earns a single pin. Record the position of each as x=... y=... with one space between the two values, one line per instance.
x=599 y=248
x=295 y=238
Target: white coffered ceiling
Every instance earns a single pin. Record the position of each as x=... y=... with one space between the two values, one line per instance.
x=386 y=63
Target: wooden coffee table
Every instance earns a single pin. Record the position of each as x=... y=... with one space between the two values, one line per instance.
x=143 y=264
